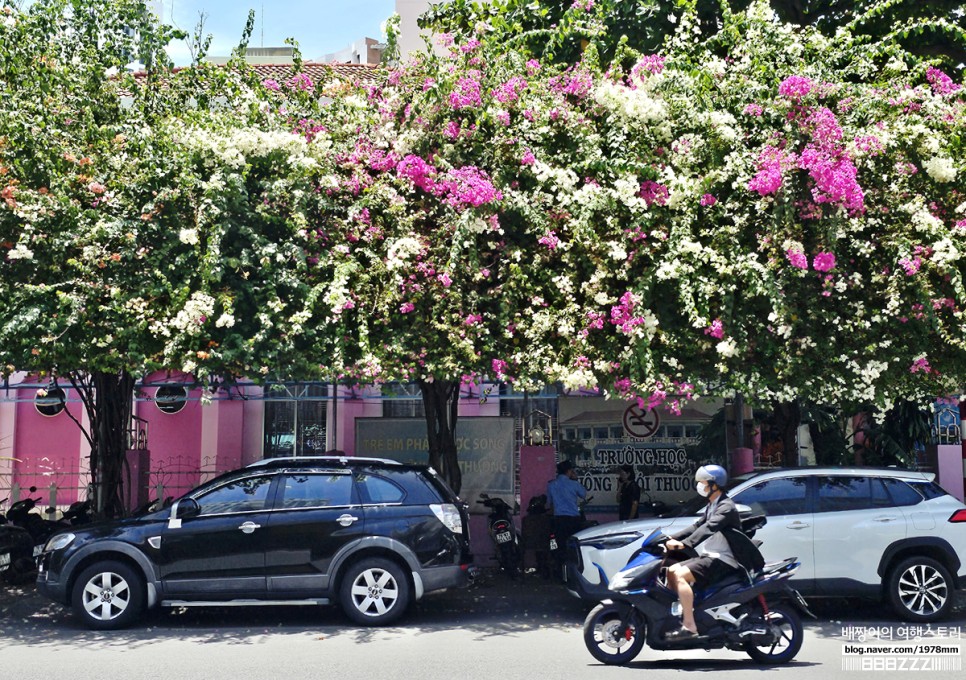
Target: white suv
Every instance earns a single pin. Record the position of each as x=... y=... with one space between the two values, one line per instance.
x=888 y=534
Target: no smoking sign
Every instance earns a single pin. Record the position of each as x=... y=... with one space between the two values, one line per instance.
x=640 y=422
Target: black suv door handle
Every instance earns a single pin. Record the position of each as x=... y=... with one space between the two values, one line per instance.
x=249 y=527
x=347 y=520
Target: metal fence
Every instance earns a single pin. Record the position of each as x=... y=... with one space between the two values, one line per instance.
x=59 y=487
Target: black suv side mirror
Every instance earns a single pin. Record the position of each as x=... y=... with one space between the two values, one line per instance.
x=184 y=507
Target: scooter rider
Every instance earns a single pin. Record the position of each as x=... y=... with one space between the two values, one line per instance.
x=709 y=537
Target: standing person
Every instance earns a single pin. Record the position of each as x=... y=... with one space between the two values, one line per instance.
x=564 y=495
x=628 y=493
x=709 y=536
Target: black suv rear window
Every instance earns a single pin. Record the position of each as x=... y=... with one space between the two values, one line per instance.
x=379 y=490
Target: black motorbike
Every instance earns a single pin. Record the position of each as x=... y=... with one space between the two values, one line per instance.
x=757 y=613
x=16 y=553
x=21 y=515
x=504 y=534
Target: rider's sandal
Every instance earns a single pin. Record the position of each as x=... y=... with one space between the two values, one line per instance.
x=681 y=633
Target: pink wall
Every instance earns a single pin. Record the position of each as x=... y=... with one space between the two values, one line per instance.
x=950 y=471
x=174 y=439
x=49 y=449
x=356 y=402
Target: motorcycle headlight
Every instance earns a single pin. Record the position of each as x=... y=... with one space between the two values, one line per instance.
x=623 y=579
x=59 y=542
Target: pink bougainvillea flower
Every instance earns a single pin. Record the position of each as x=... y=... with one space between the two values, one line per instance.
x=715 y=330
x=823 y=262
x=654 y=193
x=550 y=240
x=796 y=87
x=797 y=258
x=708 y=200
x=940 y=82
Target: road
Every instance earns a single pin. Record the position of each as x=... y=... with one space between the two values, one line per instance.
x=527 y=631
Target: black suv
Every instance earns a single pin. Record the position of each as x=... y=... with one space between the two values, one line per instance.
x=372 y=535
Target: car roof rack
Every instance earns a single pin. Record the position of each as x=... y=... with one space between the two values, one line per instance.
x=342 y=460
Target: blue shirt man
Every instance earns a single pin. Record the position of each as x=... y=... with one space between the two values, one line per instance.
x=565 y=492
x=564 y=495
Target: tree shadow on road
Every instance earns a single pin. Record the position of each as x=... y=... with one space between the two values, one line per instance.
x=495 y=608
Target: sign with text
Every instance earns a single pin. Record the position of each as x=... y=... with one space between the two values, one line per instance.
x=484 y=444
x=663 y=471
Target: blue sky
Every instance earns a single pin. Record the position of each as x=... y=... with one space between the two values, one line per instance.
x=320 y=26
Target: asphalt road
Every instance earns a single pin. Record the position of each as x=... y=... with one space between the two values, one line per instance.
x=529 y=630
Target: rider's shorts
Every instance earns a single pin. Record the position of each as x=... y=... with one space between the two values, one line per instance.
x=707 y=569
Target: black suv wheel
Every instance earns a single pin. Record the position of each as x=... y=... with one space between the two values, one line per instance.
x=374 y=592
x=108 y=595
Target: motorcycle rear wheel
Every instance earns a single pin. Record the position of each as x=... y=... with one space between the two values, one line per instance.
x=789 y=627
x=608 y=640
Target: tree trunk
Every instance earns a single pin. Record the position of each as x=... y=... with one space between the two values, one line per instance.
x=107 y=398
x=788 y=416
x=441 y=402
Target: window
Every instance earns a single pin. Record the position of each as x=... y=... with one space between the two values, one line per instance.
x=928 y=490
x=402 y=400
x=901 y=493
x=295 y=420
x=616 y=431
x=241 y=495
x=775 y=497
x=50 y=402
x=317 y=491
x=840 y=494
x=600 y=433
x=674 y=431
x=171 y=399
x=379 y=490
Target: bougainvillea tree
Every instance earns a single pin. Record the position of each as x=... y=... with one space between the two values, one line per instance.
x=129 y=241
x=772 y=212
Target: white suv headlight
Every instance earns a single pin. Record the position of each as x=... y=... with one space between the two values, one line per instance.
x=59 y=542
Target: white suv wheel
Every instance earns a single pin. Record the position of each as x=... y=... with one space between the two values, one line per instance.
x=920 y=589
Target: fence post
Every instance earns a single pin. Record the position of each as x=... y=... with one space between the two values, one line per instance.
x=53 y=496
x=14 y=493
x=160 y=489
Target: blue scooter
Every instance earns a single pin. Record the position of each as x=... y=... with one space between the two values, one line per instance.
x=757 y=612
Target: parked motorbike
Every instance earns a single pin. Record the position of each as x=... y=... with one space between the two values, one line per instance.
x=504 y=534
x=16 y=553
x=756 y=613
x=21 y=515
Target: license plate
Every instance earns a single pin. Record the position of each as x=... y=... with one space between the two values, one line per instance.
x=504 y=537
x=37 y=550
x=553 y=543
x=4 y=561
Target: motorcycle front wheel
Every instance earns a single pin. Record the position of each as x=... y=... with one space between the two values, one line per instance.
x=787 y=626
x=610 y=641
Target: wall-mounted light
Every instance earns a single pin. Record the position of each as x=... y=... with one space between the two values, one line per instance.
x=540 y=428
